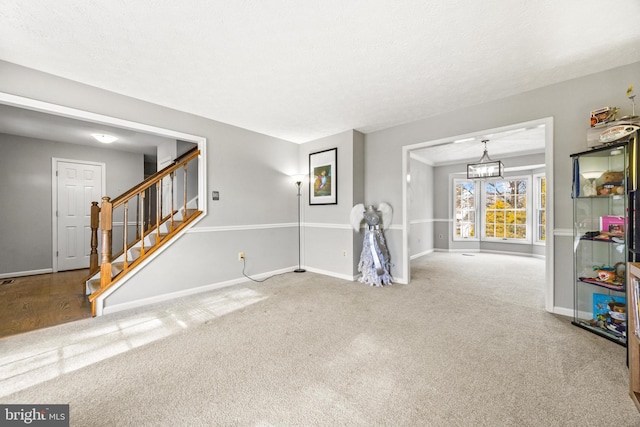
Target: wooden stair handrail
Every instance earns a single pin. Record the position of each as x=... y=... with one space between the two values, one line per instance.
x=156 y=177
x=102 y=218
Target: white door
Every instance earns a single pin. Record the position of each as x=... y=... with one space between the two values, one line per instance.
x=78 y=184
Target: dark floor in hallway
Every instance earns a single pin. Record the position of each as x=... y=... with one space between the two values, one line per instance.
x=35 y=302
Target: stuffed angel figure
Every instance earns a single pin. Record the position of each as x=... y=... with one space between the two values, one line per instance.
x=374 y=260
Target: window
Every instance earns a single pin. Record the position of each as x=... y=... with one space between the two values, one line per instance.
x=541 y=209
x=505 y=210
x=465 y=218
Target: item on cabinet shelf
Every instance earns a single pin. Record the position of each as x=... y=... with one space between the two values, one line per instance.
x=616 y=132
x=613 y=177
x=602 y=116
x=632 y=97
x=605 y=274
x=603 y=236
x=603 y=307
x=590 y=235
x=610 y=189
x=590 y=188
x=612 y=225
x=621 y=271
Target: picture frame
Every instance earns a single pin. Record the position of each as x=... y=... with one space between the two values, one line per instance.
x=323 y=177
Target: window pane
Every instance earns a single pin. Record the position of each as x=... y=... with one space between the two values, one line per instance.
x=541 y=197
x=506 y=209
x=522 y=186
x=511 y=201
x=465 y=208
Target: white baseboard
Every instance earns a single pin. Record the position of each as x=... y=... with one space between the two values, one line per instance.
x=529 y=255
x=192 y=291
x=331 y=273
x=421 y=254
x=563 y=311
x=25 y=273
x=458 y=251
x=487 y=251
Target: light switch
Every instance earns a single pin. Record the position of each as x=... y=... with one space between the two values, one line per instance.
x=215 y=195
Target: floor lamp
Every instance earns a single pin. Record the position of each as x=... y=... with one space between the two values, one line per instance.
x=298 y=180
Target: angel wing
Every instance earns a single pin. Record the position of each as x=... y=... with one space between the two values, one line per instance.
x=387 y=214
x=356 y=216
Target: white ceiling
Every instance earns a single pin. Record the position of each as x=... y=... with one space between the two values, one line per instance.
x=34 y=124
x=516 y=142
x=301 y=70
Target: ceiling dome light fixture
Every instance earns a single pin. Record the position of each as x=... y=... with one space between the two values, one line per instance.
x=104 y=138
x=485 y=167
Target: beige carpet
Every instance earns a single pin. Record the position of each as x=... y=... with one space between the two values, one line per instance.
x=467 y=343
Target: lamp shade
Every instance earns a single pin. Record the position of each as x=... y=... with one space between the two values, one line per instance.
x=298 y=177
x=592 y=174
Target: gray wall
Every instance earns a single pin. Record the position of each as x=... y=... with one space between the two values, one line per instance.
x=249 y=170
x=421 y=202
x=569 y=103
x=25 y=195
x=330 y=244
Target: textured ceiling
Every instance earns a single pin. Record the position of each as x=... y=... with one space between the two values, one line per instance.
x=511 y=143
x=301 y=70
x=34 y=124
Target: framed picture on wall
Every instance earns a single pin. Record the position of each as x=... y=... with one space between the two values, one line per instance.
x=323 y=174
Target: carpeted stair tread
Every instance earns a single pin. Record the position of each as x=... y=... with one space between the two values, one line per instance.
x=93 y=285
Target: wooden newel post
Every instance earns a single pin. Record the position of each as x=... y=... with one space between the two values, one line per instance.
x=95 y=223
x=106 y=216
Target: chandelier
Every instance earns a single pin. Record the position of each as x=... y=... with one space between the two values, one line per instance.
x=485 y=167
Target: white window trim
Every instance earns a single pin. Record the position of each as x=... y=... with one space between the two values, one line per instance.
x=475 y=238
x=537 y=208
x=528 y=240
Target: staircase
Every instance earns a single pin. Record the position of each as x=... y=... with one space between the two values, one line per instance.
x=150 y=215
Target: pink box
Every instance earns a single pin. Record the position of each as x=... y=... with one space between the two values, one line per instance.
x=612 y=224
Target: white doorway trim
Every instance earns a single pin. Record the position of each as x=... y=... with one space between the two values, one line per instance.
x=54 y=199
x=549 y=289
x=59 y=110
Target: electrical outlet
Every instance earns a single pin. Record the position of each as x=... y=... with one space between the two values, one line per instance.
x=240 y=256
x=440 y=236
x=344 y=253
